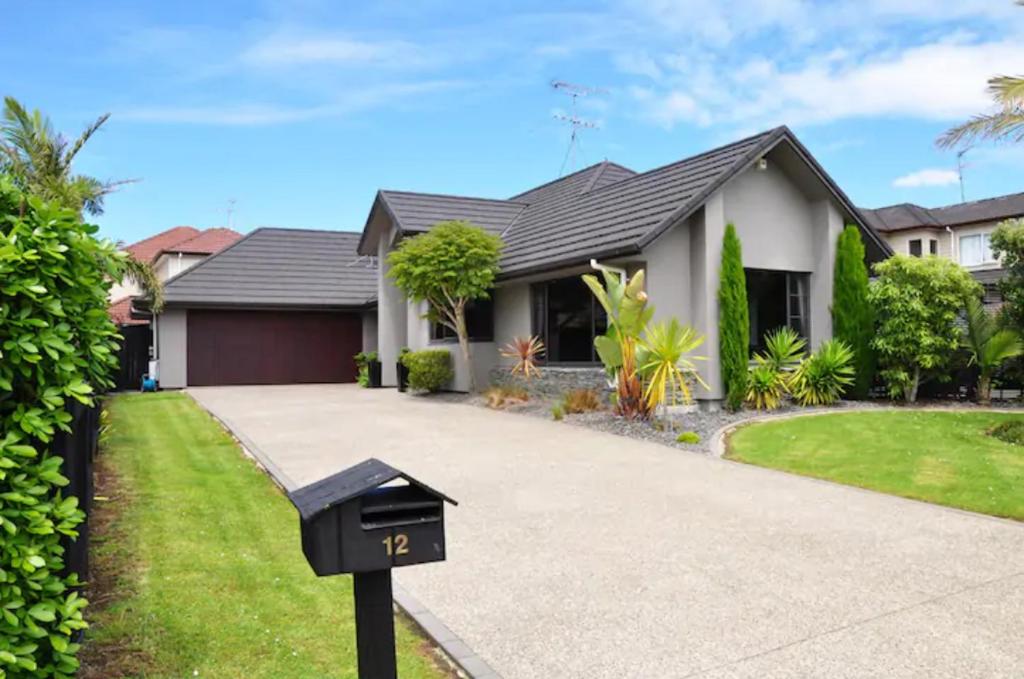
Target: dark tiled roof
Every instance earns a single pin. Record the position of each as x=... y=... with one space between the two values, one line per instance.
x=121 y=312
x=416 y=212
x=910 y=216
x=600 y=211
x=280 y=267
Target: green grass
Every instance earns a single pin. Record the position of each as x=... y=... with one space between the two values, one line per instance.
x=210 y=576
x=941 y=457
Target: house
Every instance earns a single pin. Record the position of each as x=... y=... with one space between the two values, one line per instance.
x=960 y=232
x=669 y=221
x=277 y=306
x=169 y=252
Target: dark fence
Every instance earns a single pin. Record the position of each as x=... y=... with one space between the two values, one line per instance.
x=78 y=450
x=133 y=358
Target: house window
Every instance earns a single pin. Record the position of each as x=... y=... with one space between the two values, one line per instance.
x=479 y=323
x=976 y=250
x=776 y=299
x=567 y=317
x=933 y=246
x=915 y=247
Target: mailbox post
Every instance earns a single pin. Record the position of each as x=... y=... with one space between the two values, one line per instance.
x=366 y=520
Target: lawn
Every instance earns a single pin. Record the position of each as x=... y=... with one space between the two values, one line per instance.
x=941 y=457
x=201 y=555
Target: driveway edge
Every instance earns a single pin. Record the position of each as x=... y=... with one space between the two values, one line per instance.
x=454 y=649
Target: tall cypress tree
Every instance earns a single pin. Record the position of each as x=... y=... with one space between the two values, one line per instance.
x=733 y=320
x=852 y=317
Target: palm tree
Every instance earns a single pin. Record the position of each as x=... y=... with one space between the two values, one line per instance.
x=1004 y=124
x=39 y=161
x=989 y=346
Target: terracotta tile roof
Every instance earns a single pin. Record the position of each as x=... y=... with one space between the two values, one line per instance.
x=147 y=250
x=121 y=312
x=205 y=243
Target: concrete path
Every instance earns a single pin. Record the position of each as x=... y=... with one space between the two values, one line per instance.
x=580 y=554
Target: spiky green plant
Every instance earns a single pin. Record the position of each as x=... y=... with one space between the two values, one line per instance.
x=783 y=349
x=988 y=344
x=822 y=377
x=766 y=387
x=665 y=363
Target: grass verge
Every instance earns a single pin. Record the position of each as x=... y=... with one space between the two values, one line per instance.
x=941 y=457
x=198 y=567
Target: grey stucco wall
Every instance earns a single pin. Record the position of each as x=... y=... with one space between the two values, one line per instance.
x=511 y=316
x=172 y=345
x=391 y=316
x=369 y=319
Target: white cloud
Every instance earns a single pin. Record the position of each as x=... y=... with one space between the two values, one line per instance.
x=293 y=50
x=928 y=177
x=943 y=81
x=254 y=114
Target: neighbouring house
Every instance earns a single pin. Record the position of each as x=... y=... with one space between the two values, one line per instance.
x=278 y=306
x=169 y=252
x=669 y=221
x=960 y=232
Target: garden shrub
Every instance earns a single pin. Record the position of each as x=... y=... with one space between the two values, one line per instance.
x=363 y=360
x=505 y=395
x=823 y=377
x=733 y=320
x=57 y=344
x=766 y=387
x=557 y=413
x=429 y=370
x=853 y=320
x=1011 y=431
x=690 y=437
x=581 y=401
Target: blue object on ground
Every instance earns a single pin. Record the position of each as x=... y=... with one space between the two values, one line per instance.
x=148 y=383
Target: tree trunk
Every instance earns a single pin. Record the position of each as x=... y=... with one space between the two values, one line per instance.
x=460 y=330
x=911 y=390
x=984 y=389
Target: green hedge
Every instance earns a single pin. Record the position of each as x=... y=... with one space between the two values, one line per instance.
x=56 y=343
x=429 y=370
x=853 y=321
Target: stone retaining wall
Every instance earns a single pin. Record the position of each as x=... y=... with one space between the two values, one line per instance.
x=554 y=381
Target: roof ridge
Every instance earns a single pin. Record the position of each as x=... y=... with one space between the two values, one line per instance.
x=979 y=200
x=208 y=259
x=593 y=179
x=555 y=180
x=292 y=229
x=164 y=232
x=451 y=195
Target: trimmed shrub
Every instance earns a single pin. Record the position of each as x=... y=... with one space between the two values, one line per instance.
x=733 y=321
x=363 y=360
x=690 y=437
x=429 y=370
x=822 y=377
x=853 y=320
x=1011 y=431
x=581 y=401
x=57 y=345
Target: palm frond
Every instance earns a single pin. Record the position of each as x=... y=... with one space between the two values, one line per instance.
x=1002 y=346
x=84 y=137
x=143 y=275
x=1004 y=124
x=1007 y=90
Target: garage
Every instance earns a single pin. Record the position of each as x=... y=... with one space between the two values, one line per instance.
x=271 y=347
x=280 y=306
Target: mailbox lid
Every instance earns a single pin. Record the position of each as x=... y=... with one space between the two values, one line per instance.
x=350 y=483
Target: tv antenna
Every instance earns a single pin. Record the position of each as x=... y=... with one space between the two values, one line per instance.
x=573 y=120
x=960 y=167
x=230 y=211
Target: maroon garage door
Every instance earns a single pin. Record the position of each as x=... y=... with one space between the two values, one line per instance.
x=272 y=347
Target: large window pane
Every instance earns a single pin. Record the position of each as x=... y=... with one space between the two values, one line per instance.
x=970 y=250
x=567 y=317
x=479 y=323
x=776 y=299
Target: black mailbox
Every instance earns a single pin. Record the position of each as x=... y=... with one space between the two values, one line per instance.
x=370 y=517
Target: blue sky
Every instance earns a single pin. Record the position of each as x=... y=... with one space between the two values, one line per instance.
x=299 y=111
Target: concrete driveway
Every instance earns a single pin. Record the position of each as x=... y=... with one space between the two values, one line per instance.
x=580 y=554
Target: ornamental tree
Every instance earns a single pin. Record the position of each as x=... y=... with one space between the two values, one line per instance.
x=448 y=267
x=1008 y=247
x=852 y=316
x=917 y=303
x=57 y=345
x=733 y=320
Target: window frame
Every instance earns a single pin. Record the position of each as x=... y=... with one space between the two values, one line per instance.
x=540 y=309
x=448 y=336
x=919 y=243
x=985 y=240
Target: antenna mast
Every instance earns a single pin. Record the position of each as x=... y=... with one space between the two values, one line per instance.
x=960 y=166
x=573 y=120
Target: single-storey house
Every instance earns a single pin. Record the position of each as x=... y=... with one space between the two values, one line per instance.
x=290 y=305
x=669 y=221
x=278 y=306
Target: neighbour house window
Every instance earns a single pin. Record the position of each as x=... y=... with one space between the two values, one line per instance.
x=479 y=323
x=567 y=317
x=933 y=246
x=915 y=247
x=976 y=250
x=776 y=299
